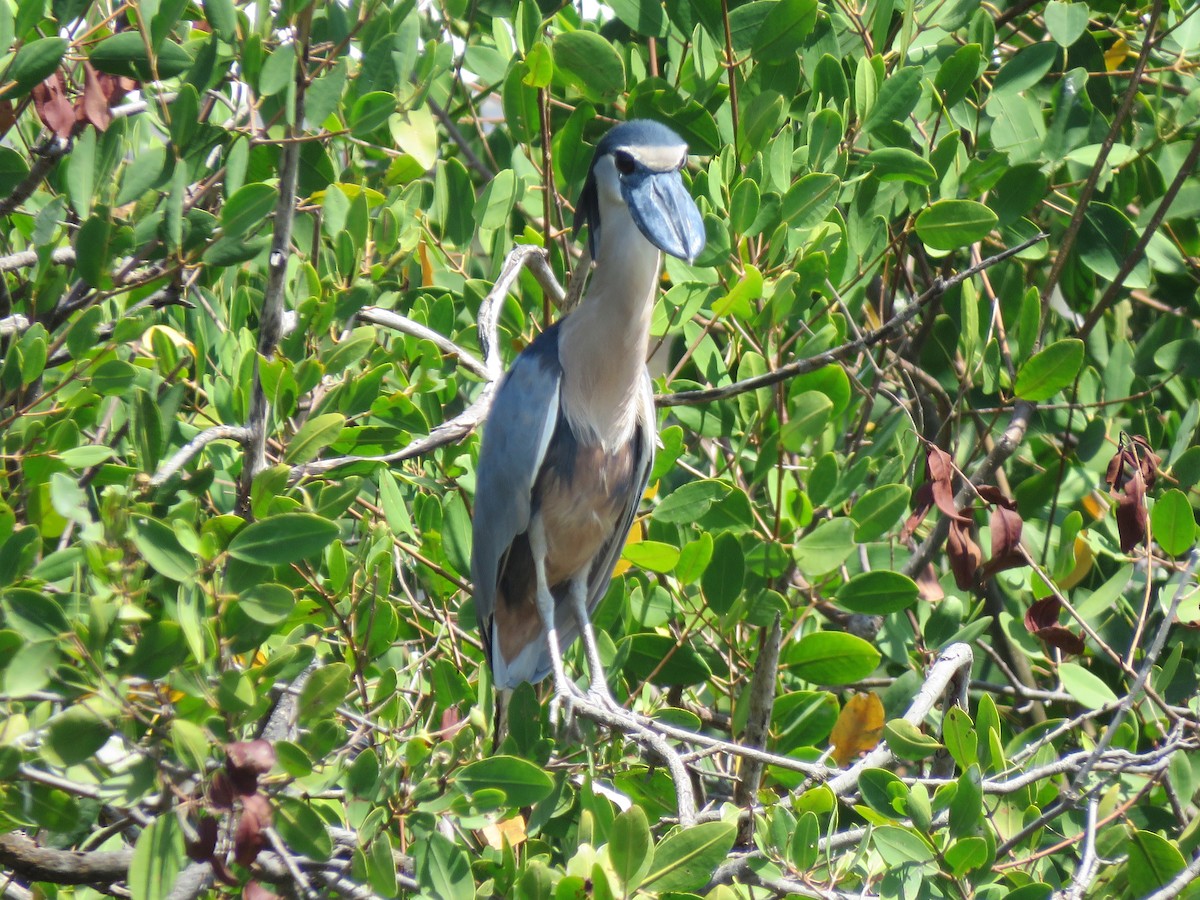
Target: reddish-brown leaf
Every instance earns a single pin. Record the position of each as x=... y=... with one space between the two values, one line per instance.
x=1132 y=519
x=1133 y=457
x=1063 y=638
x=52 y=106
x=205 y=844
x=940 y=467
x=1042 y=614
x=1005 y=524
x=965 y=555
x=8 y=116
x=249 y=839
x=922 y=502
x=255 y=891
x=221 y=794
x=92 y=105
x=928 y=586
x=245 y=761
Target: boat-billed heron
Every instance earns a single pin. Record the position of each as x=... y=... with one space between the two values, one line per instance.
x=569 y=440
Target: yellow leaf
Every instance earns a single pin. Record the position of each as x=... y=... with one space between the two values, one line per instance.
x=1083 y=564
x=858 y=728
x=1095 y=505
x=637 y=534
x=1116 y=55
x=510 y=830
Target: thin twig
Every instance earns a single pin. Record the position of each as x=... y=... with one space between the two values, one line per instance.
x=188 y=451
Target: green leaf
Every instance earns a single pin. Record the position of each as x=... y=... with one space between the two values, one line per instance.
x=371 y=112
x=325 y=690
x=784 y=29
x=909 y=742
x=13 y=169
x=443 y=869
x=267 y=603
x=685 y=860
x=282 y=539
x=956 y=75
x=222 y=16
x=1153 y=860
x=34 y=63
x=877 y=593
x=810 y=200
x=1066 y=22
x=248 y=209
x=1050 y=370
x=1172 y=522
x=691 y=501
x=495 y=204
x=76 y=733
x=125 y=53
x=808 y=415
x=958 y=732
x=158 y=856
x=654 y=556
x=826 y=547
x=302 y=828
x=590 y=63
x=876 y=512
x=630 y=847
x=540 y=64
x=726 y=573
x=642 y=16
x=832 y=657
x=1086 y=687
x=950 y=224
x=314 y=436
x=30 y=669
x=161 y=548
x=900 y=164
x=900 y=846
x=898 y=94
x=660 y=656
x=523 y=783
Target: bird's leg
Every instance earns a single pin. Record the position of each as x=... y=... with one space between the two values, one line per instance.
x=577 y=596
x=545 y=602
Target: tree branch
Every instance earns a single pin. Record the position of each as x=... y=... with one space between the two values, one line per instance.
x=37 y=863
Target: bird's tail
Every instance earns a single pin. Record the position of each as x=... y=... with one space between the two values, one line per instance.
x=500 y=719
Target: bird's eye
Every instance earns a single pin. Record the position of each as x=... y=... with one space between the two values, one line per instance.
x=624 y=162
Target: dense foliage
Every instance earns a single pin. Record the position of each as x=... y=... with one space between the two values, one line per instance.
x=912 y=500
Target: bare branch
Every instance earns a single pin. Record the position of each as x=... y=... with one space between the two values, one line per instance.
x=270 y=325
x=188 y=451
x=29 y=860
x=758 y=720
x=63 y=256
x=389 y=319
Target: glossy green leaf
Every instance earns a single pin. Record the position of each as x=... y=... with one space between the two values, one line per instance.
x=832 y=657
x=877 y=593
x=900 y=164
x=34 y=62
x=1050 y=370
x=784 y=29
x=248 y=209
x=1066 y=22
x=282 y=539
x=950 y=224
x=630 y=848
x=590 y=62
x=125 y=53
x=685 y=859
x=1172 y=522
x=826 y=547
x=878 y=510
x=161 y=548
x=1089 y=689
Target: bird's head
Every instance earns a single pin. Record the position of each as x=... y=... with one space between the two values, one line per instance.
x=636 y=168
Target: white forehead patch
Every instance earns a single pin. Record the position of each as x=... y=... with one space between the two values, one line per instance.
x=659 y=159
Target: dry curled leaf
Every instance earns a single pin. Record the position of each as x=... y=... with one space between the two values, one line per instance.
x=1005 y=524
x=1132 y=519
x=1133 y=457
x=1041 y=620
x=52 y=106
x=858 y=728
x=510 y=831
x=965 y=554
x=245 y=761
x=250 y=838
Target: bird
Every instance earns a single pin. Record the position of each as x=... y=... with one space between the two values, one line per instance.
x=567 y=446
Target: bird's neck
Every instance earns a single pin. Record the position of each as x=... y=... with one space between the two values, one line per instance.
x=603 y=344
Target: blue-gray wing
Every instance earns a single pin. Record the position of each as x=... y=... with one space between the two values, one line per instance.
x=515 y=437
x=606 y=559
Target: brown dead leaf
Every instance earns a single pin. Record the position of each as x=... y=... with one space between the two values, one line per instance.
x=940 y=467
x=52 y=106
x=93 y=103
x=250 y=837
x=928 y=586
x=1132 y=518
x=245 y=761
x=8 y=116
x=922 y=501
x=858 y=728
x=1041 y=620
x=1005 y=524
x=965 y=554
